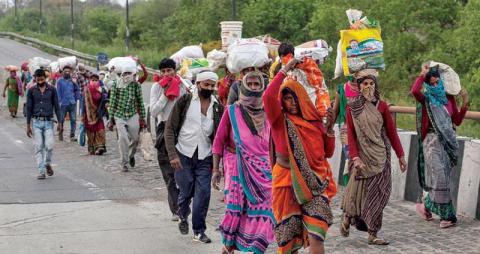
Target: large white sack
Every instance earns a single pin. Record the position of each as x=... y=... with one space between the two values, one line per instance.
x=216 y=59
x=194 y=51
x=55 y=67
x=37 y=63
x=245 y=53
x=318 y=50
x=123 y=64
x=338 y=61
x=451 y=80
x=67 y=61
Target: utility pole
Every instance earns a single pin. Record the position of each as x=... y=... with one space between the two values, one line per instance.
x=41 y=17
x=234 y=10
x=127 y=30
x=16 y=17
x=72 y=26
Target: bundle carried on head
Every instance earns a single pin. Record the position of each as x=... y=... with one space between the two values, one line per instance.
x=451 y=80
x=246 y=53
x=193 y=52
x=360 y=47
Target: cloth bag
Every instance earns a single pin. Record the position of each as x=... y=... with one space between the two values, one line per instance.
x=81 y=134
x=146 y=145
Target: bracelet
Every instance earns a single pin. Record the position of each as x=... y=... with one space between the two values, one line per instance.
x=283 y=71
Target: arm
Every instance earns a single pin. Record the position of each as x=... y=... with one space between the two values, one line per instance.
x=144 y=75
x=457 y=116
x=158 y=100
x=352 y=136
x=336 y=107
x=76 y=91
x=29 y=106
x=59 y=90
x=221 y=139
x=113 y=102
x=56 y=105
x=139 y=98
x=391 y=130
x=329 y=144
x=272 y=105
x=172 y=125
x=417 y=89
x=233 y=94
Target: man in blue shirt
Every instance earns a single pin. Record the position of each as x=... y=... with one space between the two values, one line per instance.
x=68 y=95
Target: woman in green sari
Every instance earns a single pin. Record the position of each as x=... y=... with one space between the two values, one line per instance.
x=13 y=90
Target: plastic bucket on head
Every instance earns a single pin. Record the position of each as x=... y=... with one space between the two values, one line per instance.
x=231 y=30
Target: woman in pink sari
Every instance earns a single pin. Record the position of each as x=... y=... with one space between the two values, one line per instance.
x=94 y=108
x=242 y=140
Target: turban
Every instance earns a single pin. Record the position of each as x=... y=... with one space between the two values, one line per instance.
x=207 y=75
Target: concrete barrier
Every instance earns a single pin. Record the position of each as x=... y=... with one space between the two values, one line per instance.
x=465 y=177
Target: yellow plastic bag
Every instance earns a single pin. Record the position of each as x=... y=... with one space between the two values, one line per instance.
x=361 y=49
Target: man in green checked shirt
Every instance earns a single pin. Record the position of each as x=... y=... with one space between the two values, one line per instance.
x=127 y=112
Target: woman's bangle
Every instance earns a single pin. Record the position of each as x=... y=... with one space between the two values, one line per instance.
x=331 y=133
x=215 y=170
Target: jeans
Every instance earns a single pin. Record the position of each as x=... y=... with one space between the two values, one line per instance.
x=43 y=141
x=72 y=111
x=194 y=181
x=128 y=137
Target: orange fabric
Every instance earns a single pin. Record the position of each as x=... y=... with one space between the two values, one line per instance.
x=315 y=79
x=285 y=206
x=311 y=132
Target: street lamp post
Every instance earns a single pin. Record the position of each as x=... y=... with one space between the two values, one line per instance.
x=72 y=26
x=234 y=10
x=41 y=17
x=127 y=30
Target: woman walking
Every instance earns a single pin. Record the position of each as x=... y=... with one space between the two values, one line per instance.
x=303 y=184
x=243 y=141
x=13 y=90
x=437 y=116
x=94 y=110
x=371 y=134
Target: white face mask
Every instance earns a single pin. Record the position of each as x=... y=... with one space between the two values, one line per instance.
x=369 y=93
x=125 y=81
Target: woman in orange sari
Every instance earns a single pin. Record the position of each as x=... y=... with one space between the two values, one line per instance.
x=303 y=184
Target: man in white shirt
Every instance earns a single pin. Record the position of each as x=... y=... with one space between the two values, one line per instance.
x=161 y=104
x=189 y=135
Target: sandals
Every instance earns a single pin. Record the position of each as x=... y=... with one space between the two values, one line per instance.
x=446 y=224
x=345 y=228
x=423 y=212
x=226 y=251
x=373 y=240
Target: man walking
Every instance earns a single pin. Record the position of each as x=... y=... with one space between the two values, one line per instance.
x=163 y=96
x=42 y=102
x=189 y=133
x=127 y=112
x=68 y=95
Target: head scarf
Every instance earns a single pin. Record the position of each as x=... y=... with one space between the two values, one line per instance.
x=358 y=104
x=207 y=75
x=251 y=103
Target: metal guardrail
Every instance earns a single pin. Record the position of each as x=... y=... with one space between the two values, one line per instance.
x=86 y=58
x=472 y=115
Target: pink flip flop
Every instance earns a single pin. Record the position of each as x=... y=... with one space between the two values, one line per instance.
x=446 y=224
x=423 y=212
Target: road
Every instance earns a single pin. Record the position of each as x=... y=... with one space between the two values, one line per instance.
x=89 y=206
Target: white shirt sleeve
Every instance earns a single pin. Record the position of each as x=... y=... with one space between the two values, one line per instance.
x=158 y=100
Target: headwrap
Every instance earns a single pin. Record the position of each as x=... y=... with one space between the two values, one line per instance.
x=306 y=151
x=358 y=104
x=25 y=66
x=251 y=103
x=436 y=94
x=207 y=75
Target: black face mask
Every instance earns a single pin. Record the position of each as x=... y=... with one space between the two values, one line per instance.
x=66 y=76
x=205 y=93
x=41 y=84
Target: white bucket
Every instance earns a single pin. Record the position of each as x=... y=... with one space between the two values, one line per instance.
x=231 y=30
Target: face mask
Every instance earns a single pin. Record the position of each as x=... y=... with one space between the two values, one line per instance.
x=66 y=75
x=41 y=84
x=127 y=79
x=205 y=93
x=369 y=93
x=13 y=74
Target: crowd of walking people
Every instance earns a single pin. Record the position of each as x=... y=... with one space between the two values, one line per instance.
x=270 y=139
